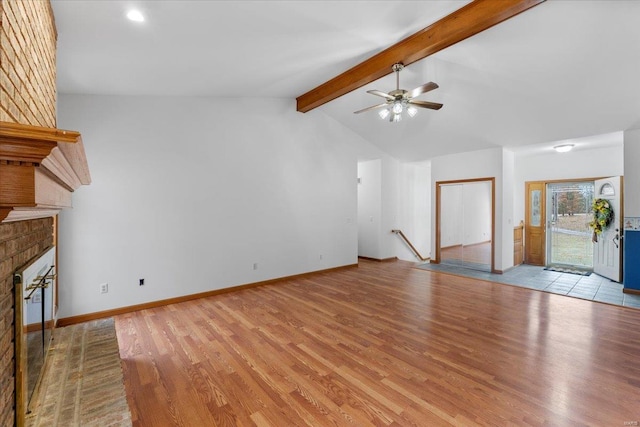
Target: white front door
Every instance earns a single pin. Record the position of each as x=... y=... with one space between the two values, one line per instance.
x=607 y=254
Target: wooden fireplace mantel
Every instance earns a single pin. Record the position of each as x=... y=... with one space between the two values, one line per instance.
x=39 y=169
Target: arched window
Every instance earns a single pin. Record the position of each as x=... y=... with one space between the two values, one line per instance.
x=606 y=190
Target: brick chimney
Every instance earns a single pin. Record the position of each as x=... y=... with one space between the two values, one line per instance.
x=28 y=87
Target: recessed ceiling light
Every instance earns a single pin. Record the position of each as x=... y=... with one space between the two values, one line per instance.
x=135 y=15
x=563 y=148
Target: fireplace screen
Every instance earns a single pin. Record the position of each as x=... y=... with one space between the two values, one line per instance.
x=35 y=320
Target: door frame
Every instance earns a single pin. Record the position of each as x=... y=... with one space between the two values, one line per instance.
x=549 y=231
x=439 y=184
x=527 y=208
x=531 y=254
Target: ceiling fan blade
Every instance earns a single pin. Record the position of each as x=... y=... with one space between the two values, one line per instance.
x=382 y=94
x=422 y=89
x=426 y=104
x=373 y=107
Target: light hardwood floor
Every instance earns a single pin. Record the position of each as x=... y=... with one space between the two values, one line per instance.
x=383 y=344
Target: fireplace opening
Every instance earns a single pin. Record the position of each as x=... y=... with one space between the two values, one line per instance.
x=35 y=320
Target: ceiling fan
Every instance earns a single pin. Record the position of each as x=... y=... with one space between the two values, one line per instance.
x=400 y=100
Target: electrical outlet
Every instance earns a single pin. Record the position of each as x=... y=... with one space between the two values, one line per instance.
x=141 y=283
x=321 y=257
x=104 y=288
x=255 y=265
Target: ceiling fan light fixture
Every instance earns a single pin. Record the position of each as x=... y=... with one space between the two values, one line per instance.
x=399 y=101
x=563 y=148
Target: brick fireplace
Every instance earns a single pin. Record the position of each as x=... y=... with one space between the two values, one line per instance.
x=39 y=165
x=19 y=242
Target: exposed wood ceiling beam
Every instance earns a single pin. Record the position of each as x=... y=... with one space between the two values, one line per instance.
x=465 y=22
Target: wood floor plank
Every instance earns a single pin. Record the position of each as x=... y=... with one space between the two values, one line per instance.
x=382 y=344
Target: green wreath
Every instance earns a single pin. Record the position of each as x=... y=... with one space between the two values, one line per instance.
x=602 y=215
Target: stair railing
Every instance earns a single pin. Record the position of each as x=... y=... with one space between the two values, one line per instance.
x=413 y=248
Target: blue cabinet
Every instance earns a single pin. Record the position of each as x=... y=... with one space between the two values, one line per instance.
x=631 y=265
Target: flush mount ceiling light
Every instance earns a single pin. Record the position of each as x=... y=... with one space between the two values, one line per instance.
x=400 y=100
x=563 y=148
x=135 y=15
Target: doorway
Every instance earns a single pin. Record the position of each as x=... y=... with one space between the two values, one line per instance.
x=569 y=241
x=465 y=223
x=559 y=212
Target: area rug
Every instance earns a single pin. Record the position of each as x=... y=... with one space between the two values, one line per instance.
x=82 y=383
x=569 y=270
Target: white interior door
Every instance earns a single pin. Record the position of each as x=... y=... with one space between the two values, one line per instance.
x=607 y=254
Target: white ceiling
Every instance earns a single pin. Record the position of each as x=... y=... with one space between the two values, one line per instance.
x=562 y=70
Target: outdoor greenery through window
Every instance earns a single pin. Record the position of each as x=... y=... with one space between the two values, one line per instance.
x=569 y=213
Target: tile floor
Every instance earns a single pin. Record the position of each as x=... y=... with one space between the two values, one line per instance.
x=592 y=287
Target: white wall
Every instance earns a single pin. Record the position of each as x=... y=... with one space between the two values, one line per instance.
x=393 y=195
x=389 y=242
x=414 y=208
x=189 y=193
x=505 y=228
x=369 y=208
x=593 y=163
x=631 y=173
x=378 y=207
x=481 y=164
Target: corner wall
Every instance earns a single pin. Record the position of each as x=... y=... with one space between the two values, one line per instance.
x=190 y=192
x=481 y=164
x=414 y=219
x=369 y=208
x=631 y=173
x=378 y=208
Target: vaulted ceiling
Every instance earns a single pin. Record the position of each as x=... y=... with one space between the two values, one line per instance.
x=561 y=70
